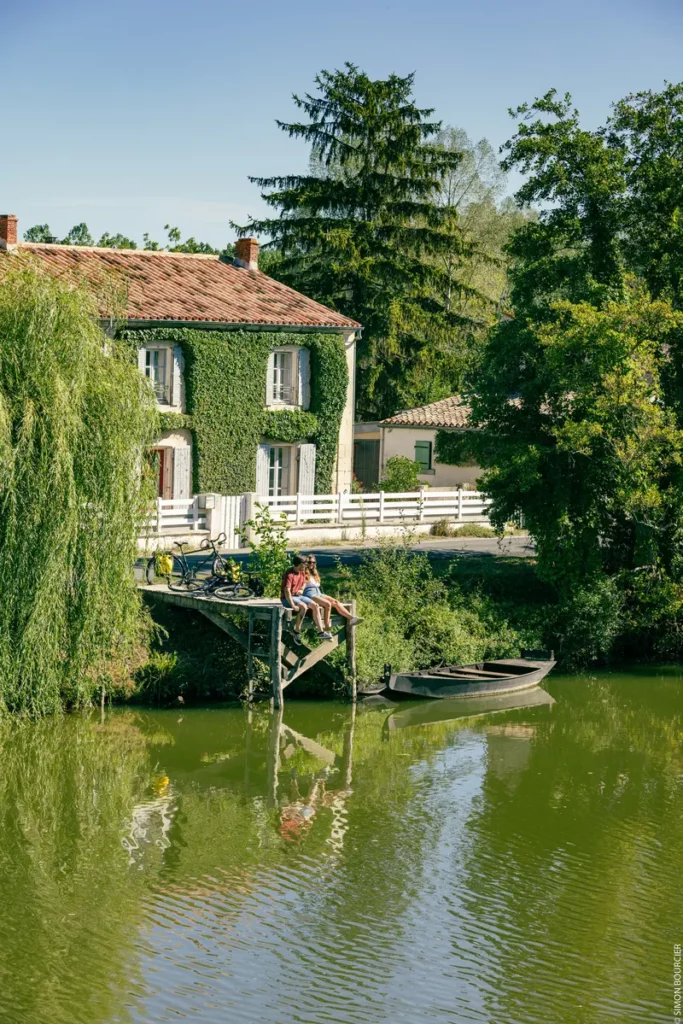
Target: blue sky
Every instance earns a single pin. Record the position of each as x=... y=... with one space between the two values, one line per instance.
x=132 y=114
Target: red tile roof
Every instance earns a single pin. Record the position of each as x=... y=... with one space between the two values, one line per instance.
x=449 y=412
x=187 y=287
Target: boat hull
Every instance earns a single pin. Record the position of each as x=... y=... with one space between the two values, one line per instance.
x=505 y=675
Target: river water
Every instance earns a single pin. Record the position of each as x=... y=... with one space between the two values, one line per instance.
x=325 y=866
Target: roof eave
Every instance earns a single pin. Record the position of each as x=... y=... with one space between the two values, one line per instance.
x=218 y=325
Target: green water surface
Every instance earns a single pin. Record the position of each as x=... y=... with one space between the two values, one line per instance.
x=322 y=866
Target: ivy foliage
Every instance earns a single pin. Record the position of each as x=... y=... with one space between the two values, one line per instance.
x=225 y=386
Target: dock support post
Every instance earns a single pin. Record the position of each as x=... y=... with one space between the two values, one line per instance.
x=250 y=656
x=351 y=653
x=347 y=752
x=274 y=756
x=276 y=655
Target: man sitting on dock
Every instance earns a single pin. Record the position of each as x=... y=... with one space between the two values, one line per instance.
x=291 y=595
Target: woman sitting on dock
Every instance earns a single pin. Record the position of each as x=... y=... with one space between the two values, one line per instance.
x=313 y=591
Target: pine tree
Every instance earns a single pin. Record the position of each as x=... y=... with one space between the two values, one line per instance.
x=362 y=233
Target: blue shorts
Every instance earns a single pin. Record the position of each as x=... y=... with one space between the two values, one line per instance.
x=297 y=599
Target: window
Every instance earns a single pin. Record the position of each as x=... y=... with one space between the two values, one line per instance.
x=423 y=455
x=280 y=459
x=282 y=386
x=157 y=368
x=288 y=377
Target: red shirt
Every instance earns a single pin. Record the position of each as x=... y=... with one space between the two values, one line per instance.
x=293 y=580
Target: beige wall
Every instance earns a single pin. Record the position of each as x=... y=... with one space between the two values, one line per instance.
x=401 y=441
x=344 y=467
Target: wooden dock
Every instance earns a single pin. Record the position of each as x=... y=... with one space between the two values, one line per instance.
x=262 y=630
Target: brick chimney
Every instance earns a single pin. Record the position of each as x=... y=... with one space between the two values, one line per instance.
x=8 y=231
x=246 y=253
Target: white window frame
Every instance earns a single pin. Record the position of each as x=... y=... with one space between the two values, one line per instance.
x=164 y=388
x=275 y=389
x=282 y=466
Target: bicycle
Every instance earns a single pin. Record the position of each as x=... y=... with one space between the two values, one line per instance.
x=243 y=586
x=185 y=577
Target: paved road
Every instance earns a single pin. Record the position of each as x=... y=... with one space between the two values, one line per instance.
x=517 y=547
x=468 y=547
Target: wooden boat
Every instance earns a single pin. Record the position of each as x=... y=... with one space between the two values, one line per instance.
x=454 y=709
x=504 y=675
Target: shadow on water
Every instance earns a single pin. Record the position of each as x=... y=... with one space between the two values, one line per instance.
x=324 y=863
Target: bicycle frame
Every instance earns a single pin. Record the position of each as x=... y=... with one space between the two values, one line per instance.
x=209 y=545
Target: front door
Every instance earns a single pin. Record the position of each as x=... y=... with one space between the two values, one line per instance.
x=163 y=458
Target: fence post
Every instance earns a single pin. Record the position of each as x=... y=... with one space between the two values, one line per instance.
x=250 y=500
x=381 y=506
x=340 y=508
x=459 y=502
x=195 y=512
x=298 y=508
x=159 y=517
x=421 y=505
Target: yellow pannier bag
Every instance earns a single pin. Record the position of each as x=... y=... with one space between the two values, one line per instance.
x=164 y=565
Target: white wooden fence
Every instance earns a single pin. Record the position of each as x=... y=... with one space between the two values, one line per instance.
x=177 y=515
x=384 y=507
x=218 y=513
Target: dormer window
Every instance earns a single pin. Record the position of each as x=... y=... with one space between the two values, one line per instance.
x=287 y=384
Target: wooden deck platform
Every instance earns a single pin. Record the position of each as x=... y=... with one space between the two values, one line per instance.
x=260 y=626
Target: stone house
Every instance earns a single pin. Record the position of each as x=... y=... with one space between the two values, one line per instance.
x=411 y=433
x=254 y=382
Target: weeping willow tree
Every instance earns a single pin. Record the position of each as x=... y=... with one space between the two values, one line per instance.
x=75 y=416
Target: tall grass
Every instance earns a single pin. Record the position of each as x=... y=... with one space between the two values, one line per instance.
x=75 y=415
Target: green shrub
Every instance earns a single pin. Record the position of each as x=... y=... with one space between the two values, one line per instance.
x=441 y=528
x=267 y=541
x=400 y=474
x=587 y=623
x=473 y=530
x=414 y=620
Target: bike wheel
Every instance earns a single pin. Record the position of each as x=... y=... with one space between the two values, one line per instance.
x=187 y=582
x=233 y=592
x=219 y=566
x=151 y=570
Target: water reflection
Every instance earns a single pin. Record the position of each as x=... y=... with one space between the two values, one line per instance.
x=326 y=864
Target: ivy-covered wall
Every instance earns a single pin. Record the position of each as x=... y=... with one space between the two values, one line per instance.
x=225 y=387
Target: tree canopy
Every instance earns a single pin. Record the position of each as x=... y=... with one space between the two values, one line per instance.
x=577 y=400
x=80 y=235
x=370 y=232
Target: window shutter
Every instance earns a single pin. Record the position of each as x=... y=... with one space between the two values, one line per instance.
x=142 y=361
x=177 y=377
x=270 y=379
x=288 y=381
x=423 y=454
x=306 y=469
x=262 y=468
x=304 y=396
x=182 y=472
